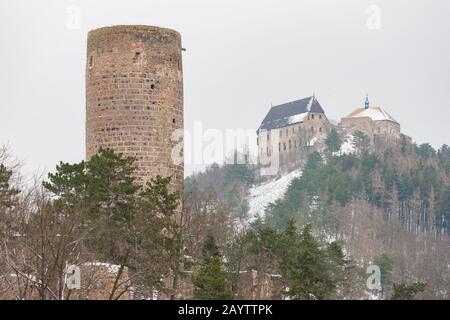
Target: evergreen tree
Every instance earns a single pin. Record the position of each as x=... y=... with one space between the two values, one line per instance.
x=310 y=278
x=333 y=141
x=361 y=142
x=402 y=291
x=8 y=199
x=7 y=192
x=261 y=245
x=386 y=265
x=127 y=224
x=211 y=283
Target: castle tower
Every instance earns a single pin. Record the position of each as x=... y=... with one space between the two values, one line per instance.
x=134 y=97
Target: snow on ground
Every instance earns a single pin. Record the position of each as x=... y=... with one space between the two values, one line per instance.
x=260 y=196
x=112 y=268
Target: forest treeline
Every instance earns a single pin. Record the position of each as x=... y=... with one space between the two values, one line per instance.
x=345 y=213
x=388 y=207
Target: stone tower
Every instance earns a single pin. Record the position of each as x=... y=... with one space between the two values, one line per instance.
x=134 y=97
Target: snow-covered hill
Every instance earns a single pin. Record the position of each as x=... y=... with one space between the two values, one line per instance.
x=260 y=196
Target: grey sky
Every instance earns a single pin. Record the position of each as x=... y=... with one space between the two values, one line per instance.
x=241 y=57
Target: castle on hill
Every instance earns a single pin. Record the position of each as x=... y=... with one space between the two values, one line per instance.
x=293 y=128
x=374 y=122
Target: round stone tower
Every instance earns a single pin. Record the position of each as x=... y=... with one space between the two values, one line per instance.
x=134 y=97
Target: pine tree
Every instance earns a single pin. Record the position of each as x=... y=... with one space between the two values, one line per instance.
x=310 y=279
x=333 y=141
x=8 y=198
x=386 y=265
x=7 y=192
x=361 y=142
x=127 y=224
x=211 y=283
x=402 y=291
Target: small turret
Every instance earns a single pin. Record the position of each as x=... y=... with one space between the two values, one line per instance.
x=367 y=102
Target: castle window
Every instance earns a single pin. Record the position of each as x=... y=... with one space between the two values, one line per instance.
x=284 y=145
x=137 y=57
x=290 y=145
x=268 y=137
x=152 y=86
x=312 y=116
x=320 y=129
x=295 y=144
x=174 y=121
x=91 y=62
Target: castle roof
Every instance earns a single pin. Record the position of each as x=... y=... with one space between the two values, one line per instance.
x=375 y=113
x=290 y=113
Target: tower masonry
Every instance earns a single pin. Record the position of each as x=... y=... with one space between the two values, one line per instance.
x=134 y=98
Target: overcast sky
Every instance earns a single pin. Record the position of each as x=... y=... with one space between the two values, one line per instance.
x=242 y=56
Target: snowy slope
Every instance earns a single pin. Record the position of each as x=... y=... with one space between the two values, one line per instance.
x=260 y=196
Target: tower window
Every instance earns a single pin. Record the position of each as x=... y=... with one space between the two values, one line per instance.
x=312 y=116
x=91 y=62
x=320 y=129
x=137 y=57
x=152 y=86
x=174 y=121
